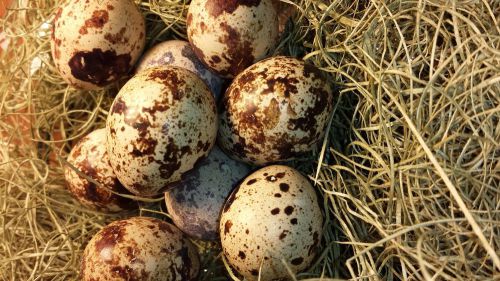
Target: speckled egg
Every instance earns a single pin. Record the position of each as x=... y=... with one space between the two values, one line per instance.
x=272 y=216
x=139 y=248
x=230 y=35
x=89 y=156
x=92 y=43
x=275 y=111
x=195 y=203
x=180 y=53
x=161 y=123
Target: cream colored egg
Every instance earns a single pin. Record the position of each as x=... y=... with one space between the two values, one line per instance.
x=139 y=248
x=229 y=36
x=161 y=123
x=274 y=215
x=276 y=110
x=195 y=202
x=179 y=53
x=89 y=156
x=97 y=42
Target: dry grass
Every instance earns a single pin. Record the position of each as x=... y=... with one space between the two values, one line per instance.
x=410 y=176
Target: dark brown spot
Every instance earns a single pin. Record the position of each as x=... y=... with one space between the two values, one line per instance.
x=280 y=175
x=247 y=231
x=278 y=195
x=242 y=255
x=216 y=59
x=98 y=19
x=283 y=234
x=289 y=210
x=252 y=181
x=284 y=187
x=98 y=67
x=110 y=7
x=170 y=79
x=239 y=53
x=227 y=226
x=216 y=7
x=275 y=211
x=110 y=235
x=255 y=272
x=297 y=261
x=293 y=221
x=119 y=106
x=116 y=38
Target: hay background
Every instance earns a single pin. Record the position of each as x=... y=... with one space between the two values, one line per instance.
x=410 y=173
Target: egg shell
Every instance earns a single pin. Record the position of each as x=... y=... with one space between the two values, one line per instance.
x=139 y=248
x=276 y=110
x=230 y=35
x=92 y=44
x=161 y=123
x=179 y=53
x=194 y=204
x=274 y=215
x=89 y=156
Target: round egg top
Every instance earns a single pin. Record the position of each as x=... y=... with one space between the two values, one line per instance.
x=89 y=156
x=274 y=215
x=230 y=35
x=179 y=53
x=139 y=248
x=275 y=110
x=97 y=42
x=161 y=123
x=195 y=202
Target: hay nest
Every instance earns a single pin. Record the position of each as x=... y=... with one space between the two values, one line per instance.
x=409 y=172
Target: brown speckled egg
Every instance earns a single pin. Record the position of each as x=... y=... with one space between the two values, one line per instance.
x=139 y=248
x=230 y=35
x=274 y=111
x=161 y=123
x=179 y=53
x=195 y=203
x=97 y=42
x=89 y=156
x=272 y=216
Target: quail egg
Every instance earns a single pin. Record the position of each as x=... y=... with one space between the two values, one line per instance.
x=161 y=123
x=273 y=215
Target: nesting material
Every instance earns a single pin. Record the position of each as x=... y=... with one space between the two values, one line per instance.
x=409 y=174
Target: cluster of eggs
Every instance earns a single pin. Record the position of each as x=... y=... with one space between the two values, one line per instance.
x=161 y=134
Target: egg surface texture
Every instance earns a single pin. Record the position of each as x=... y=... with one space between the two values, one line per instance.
x=89 y=156
x=160 y=124
x=97 y=42
x=194 y=204
x=273 y=215
x=228 y=36
x=274 y=111
x=139 y=248
x=179 y=53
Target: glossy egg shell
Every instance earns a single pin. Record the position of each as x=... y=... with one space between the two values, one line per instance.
x=92 y=44
x=276 y=110
x=195 y=202
x=274 y=215
x=89 y=156
x=179 y=53
x=230 y=35
x=139 y=248
x=161 y=123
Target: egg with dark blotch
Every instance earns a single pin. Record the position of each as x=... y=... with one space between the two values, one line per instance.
x=89 y=157
x=230 y=35
x=92 y=44
x=194 y=204
x=273 y=216
x=139 y=248
x=161 y=123
x=179 y=53
x=276 y=110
